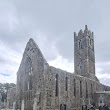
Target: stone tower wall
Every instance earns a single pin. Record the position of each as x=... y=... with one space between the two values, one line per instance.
x=84 y=57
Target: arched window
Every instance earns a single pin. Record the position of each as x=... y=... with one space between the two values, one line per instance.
x=91 y=91
x=91 y=42
x=56 y=90
x=26 y=85
x=80 y=89
x=29 y=71
x=66 y=84
x=86 y=91
x=79 y=44
x=74 y=87
x=30 y=83
x=28 y=66
x=101 y=101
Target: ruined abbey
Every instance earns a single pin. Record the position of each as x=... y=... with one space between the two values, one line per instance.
x=43 y=87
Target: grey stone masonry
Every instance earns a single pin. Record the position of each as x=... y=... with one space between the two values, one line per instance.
x=84 y=55
x=43 y=87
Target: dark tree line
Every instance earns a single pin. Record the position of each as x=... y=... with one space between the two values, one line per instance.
x=4 y=87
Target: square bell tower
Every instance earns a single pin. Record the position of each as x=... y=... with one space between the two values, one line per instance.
x=84 y=55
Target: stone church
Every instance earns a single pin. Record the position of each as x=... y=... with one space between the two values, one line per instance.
x=43 y=87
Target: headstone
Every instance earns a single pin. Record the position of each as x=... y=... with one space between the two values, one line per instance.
x=89 y=103
x=14 y=105
x=101 y=100
x=37 y=100
x=63 y=107
x=84 y=107
x=83 y=101
x=7 y=106
x=35 y=104
x=4 y=103
x=22 y=105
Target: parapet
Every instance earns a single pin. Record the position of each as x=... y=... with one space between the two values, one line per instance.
x=82 y=33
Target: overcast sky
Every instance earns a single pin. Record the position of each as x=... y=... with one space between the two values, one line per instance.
x=51 y=24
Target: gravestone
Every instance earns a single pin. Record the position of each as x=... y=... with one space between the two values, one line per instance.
x=83 y=101
x=63 y=107
x=22 y=105
x=101 y=100
x=37 y=101
x=35 y=104
x=14 y=105
x=84 y=107
x=89 y=103
x=5 y=103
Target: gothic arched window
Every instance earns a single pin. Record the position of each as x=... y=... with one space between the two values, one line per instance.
x=91 y=91
x=29 y=71
x=86 y=91
x=79 y=44
x=80 y=89
x=74 y=87
x=66 y=84
x=56 y=91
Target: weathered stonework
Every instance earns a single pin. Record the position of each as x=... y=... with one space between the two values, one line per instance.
x=11 y=97
x=102 y=97
x=43 y=87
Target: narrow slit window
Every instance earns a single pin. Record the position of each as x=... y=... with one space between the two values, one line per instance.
x=65 y=107
x=91 y=42
x=60 y=106
x=56 y=92
x=66 y=84
x=80 y=89
x=74 y=87
x=86 y=91
x=30 y=84
x=91 y=91
x=79 y=44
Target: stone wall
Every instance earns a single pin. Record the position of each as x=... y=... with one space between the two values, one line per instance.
x=43 y=87
x=72 y=97
x=102 y=97
x=84 y=55
x=11 y=97
x=30 y=76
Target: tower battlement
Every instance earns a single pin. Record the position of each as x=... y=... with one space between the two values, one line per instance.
x=82 y=33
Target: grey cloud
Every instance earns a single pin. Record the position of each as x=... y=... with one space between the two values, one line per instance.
x=105 y=66
x=105 y=81
x=2 y=60
x=55 y=21
x=58 y=19
x=5 y=74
